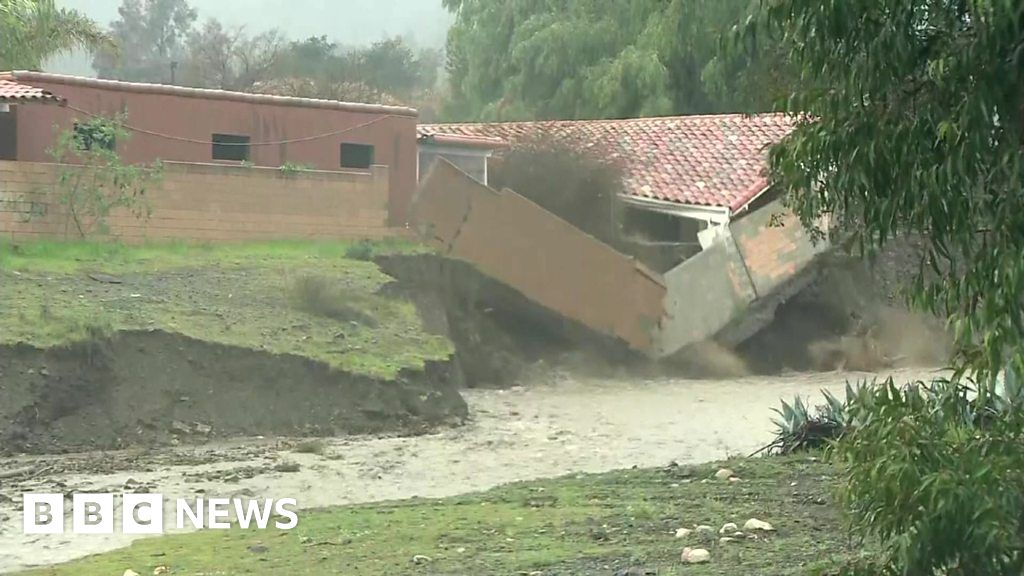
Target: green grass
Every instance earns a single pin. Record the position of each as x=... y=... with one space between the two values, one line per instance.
x=580 y=525
x=236 y=294
x=116 y=257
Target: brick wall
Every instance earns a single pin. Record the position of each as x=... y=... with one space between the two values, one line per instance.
x=772 y=251
x=734 y=284
x=209 y=202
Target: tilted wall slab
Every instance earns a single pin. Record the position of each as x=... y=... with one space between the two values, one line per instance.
x=543 y=257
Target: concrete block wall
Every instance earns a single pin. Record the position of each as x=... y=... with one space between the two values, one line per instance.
x=211 y=202
x=742 y=268
x=773 y=251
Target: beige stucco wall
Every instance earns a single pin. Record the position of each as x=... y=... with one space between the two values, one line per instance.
x=542 y=256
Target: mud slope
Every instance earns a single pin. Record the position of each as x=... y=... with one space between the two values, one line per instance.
x=151 y=388
x=500 y=336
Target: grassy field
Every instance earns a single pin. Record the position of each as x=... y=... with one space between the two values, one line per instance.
x=312 y=299
x=579 y=525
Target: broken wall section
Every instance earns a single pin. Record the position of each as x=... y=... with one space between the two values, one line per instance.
x=543 y=257
x=730 y=290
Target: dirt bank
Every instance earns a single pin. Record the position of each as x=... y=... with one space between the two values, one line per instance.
x=854 y=316
x=146 y=388
x=546 y=429
x=500 y=336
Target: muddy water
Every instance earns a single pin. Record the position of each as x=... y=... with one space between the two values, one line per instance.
x=542 y=430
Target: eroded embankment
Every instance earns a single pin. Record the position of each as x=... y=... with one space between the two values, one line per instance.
x=145 y=388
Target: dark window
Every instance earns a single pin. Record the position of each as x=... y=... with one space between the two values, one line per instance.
x=356 y=155
x=90 y=136
x=8 y=134
x=230 y=147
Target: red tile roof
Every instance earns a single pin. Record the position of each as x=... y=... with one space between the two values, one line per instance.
x=712 y=160
x=481 y=142
x=13 y=92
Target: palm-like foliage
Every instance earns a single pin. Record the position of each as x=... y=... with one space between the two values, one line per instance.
x=35 y=30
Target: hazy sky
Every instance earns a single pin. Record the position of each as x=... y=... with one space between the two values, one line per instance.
x=350 y=22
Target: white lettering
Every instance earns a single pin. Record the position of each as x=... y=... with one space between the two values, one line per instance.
x=196 y=515
x=92 y=513
x=43 y=514
x=252 y=508
x=142 y=514
x=218 y=508
x=293 y=518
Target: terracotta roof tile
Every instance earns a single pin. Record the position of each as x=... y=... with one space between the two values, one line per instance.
x=712 y=160
x=14 y=92
x=482 y=142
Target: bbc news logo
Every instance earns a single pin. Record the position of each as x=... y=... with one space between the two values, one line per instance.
x=144 y=513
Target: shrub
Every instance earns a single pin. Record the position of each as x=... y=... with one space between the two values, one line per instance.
x=935 y=473
x=579 y=186
x=323 y=297
x=102 y=183
x=798 y=428
x=362 y=250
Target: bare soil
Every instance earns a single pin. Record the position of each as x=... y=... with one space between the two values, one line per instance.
x=555 y=426
x=155 y=388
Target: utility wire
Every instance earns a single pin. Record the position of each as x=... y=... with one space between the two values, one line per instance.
x=268 y=143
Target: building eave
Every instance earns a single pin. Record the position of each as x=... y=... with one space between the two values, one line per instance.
x=712 y=214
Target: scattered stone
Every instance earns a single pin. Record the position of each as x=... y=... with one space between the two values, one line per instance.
x=735 y=479
x=43 y=371
x=259 y=549
x=203 y=429
x=754 y=524
x=695 y=556
x=729 y=528
x=421 y=559
x=179 y=427
x=160 y=570
x=635 y=571
x=704 y=529
x=105 y=278
x=724 y=474
x=130 y=572
x=683 y=532
x=726 y=540
x=287 y=467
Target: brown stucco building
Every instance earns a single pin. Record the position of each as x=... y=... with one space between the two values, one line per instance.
x=173 y=123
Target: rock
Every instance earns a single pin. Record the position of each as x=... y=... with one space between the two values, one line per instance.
x=726 y=540
x=724 y=474
x=734 y=479
x=106 y=278
x=43 y=371
x=259 y=549
x=695 y=556
x=704 y=529
x=203 y=428
x=179 y=427
x=729 y=528
x=754 y=524
x=683 y=532
x=634 y=571
x=421 y=559
x=160 y=570
x=130 y=572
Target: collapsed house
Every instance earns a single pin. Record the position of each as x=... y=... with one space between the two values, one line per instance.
x=721 y=251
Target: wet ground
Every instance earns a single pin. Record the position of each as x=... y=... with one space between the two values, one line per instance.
x=542 y=430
